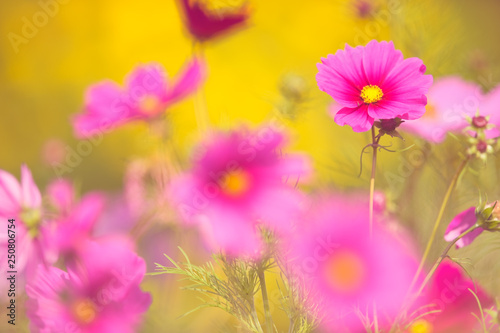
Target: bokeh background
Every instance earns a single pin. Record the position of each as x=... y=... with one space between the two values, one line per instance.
x=43 y=80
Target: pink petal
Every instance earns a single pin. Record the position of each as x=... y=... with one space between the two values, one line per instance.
x=461 y=223
x=31 y=196
x=144 y=80
x=379 y=59
x=188 y=80
x=357 y=118
x=10 y=195
x=106 y=107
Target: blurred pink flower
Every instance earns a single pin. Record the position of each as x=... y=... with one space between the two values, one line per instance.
x=99 y=293
x=374 y=82
x=449 y=294
x=146 y=95
x=344 y=270
x=61 y=194
x=204 y=24
x=461 y=223
x=450 y=99
x=23 y=202
x=236 y=181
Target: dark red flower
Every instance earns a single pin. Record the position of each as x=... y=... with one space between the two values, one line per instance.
x=204 y=24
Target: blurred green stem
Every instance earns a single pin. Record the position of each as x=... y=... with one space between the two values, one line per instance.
x=447 y=196
x=444 y=255
x=265 y=299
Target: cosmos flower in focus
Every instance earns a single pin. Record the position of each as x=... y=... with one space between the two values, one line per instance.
x=450 y=100
x=374 y=82
x=239 y=178
x=484 y=217
x=346 y=271
x=98 y=293
x=448 y=294
x=205 y=24
x=146 y=95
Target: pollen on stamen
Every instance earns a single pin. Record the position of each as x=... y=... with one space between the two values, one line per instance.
x=371 y=94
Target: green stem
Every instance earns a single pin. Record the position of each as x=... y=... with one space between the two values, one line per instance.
x=438 y=219
x=265 y=300
x=372 y=178
x=443 y=256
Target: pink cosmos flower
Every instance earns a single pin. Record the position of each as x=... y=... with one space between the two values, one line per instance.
x=238 y=179
x=461 y=223
x=23 y=202
x=204 y=25
x=374 y=82
x=345 y=271
x=450 y=100
x=146 y=95
x=99 y=293
x=449 y=294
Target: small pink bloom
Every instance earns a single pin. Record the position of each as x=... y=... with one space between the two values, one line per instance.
x=204 y=24
x=61 y=194
x=449 y=294
x=461 y=223
x=374 y=82
x=490 y=108
x=344 y=270
x=239 y=179
x=146 y=94
x=99 y=293
x=450 y=100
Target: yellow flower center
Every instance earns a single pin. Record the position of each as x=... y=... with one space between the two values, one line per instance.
x=84 y=311
x=371 y=94
x=421 y=326
x=236 y=183
x=150 y=105
x=31 y=218
x=345 y=271
x=430 y=112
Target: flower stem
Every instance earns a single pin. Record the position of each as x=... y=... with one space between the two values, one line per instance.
x=372 y=178
x=265 y=300
x=444 y=255
x=447 y=196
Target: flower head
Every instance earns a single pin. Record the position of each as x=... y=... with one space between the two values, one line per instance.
x=374 y=82
x=346 y=270
x=146 y=95
x=236 y=181
x=484 y=217
x=450 y=100
x=205 y=24
x=99 y=293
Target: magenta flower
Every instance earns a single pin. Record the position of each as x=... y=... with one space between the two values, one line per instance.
x=374 y=82
x=238 y=179
x=146 y=95
x=449 y=294
x=99 y=293
x=461 y=223
x=204 y=24
x=450 y=100
x=345 y=271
